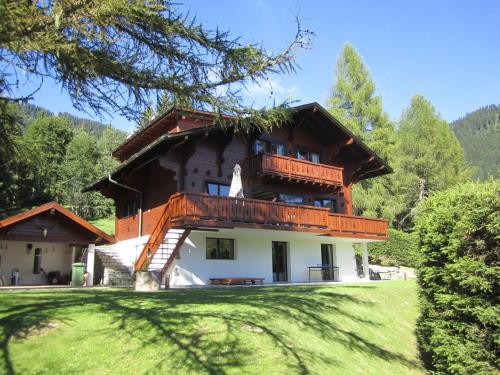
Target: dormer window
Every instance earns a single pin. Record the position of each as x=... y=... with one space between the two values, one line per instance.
x=270 y=147
x=308 y=155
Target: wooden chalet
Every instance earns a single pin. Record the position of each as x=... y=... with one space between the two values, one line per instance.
x=171 y=196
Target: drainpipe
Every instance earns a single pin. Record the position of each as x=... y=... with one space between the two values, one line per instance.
x=140 y=200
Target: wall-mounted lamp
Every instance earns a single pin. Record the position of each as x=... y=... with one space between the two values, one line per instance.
x=45 y=232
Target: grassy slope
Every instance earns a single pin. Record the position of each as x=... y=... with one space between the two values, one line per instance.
x=340 y=329
x=106 y=225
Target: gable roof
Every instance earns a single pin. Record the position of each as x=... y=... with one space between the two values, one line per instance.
x=84 y=226
x=158 y=133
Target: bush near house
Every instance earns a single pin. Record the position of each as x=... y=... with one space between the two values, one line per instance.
x=458 y=330
x=400 y=250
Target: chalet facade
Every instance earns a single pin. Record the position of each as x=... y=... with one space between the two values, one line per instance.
x=294 y=224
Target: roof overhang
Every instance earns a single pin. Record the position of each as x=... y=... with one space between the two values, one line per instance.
x=326 y=128
x=83 y=227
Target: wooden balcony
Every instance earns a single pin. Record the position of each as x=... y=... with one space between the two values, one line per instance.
x=296 y=170
x=202 y=210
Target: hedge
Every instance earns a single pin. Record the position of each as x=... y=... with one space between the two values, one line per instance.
x=459 y=230
x=400 y=250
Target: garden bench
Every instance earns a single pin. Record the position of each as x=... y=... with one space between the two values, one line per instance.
x=236 y=280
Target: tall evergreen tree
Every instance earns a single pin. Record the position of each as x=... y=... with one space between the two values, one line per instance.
x=354 y=103
x=429 y=156
x=146 y=116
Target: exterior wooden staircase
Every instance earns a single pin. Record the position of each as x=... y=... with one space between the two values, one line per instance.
x=163 y=245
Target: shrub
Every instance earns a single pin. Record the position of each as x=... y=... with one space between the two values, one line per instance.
x=458 y=329
x=400 y=250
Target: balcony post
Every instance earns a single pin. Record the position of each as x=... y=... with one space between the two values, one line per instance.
x=366 y=268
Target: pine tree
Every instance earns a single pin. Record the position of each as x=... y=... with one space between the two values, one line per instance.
x=430 y=157
x=354 y=103
x=145 y=118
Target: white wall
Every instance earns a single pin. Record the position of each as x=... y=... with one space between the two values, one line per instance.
x=253 y=256
x=55 y=257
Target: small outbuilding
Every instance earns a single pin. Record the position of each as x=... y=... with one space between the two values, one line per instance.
x=39 y=246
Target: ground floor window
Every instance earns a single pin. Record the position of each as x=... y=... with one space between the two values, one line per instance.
x=220 y=248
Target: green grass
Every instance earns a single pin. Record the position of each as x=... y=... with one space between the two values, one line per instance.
x=106 y=225
x=365 y=328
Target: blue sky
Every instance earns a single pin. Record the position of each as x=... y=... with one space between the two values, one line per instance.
x=448 y=51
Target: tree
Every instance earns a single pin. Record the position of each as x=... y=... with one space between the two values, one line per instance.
x=78 y=169
x=45 y=145
x=127 y=50
x=145 y=118
x=354 y=103
x=110 y=139
x=458 y=279
x=13 y=168
x=429 y=156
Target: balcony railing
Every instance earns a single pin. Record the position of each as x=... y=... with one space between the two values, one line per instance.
x=301 y=170
x=212 y=211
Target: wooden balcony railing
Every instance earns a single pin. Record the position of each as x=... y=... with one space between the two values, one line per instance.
x=213 y=211
x=302 y=170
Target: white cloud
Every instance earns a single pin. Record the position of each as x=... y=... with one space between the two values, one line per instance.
x=269 y=91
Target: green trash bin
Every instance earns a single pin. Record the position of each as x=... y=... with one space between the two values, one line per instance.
x=77 y=273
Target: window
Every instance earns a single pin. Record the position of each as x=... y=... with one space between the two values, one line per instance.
x=213 y=188
x=130 y=208
x=330 y=203
x=291 y=198
x=271 y=147
x=220 y=248
x=308 y=155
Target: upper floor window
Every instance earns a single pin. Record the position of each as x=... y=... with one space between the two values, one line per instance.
x=291 y=198
x=331 y=204
x=271 y=147
x=308 y=155
x=213 y=188
x=220 y=248
x=130 y=208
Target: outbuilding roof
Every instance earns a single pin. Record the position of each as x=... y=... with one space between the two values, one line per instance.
x=51 y=222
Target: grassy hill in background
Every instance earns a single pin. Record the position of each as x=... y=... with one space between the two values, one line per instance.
x=479 y=134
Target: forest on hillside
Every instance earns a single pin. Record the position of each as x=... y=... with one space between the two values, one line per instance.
x=47 y=156
x=479 y=134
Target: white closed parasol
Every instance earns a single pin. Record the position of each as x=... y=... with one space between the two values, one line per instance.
x=236 y=189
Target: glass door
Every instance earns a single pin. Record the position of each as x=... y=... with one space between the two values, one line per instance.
x=280 y=261
x=327 y=261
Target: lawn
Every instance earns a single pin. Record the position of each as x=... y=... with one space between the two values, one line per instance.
x=365 y=328
x=106 y=225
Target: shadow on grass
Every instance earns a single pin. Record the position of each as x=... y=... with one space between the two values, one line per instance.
x=178 y=319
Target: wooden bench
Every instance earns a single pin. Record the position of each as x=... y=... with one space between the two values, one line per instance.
x=236 y=280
